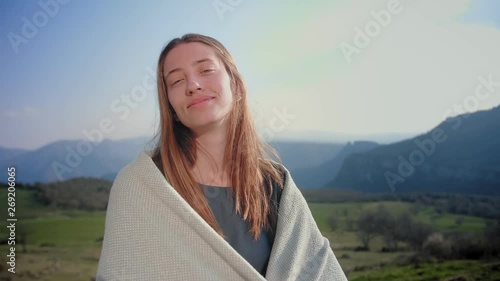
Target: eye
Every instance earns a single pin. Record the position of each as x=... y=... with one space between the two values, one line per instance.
x=207 y=70
x=175 y=82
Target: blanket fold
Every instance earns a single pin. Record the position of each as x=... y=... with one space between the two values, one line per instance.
x=151 y=233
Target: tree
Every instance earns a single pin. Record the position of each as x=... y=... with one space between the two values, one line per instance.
x=417 y=234
x=437 y=246
x=491 y=234
x=386 y=225
x=366 y=228
x=333 y=223
x=403 y=227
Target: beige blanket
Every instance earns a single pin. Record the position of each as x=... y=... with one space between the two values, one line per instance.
x=152 y=233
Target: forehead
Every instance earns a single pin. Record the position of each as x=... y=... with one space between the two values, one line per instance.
x=187 y=53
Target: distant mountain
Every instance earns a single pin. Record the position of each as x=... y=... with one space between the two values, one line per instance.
x=461 y=155
x=320 y=175
x=300 y=155
x=68 y=159
x=332 y=137
x=109 y=176
x=7 y=153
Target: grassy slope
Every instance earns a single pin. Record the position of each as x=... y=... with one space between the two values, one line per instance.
x=468 y=270
x=350 y=211
x=62 y=245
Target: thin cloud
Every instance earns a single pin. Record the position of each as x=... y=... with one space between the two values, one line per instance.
x=23 y=112
x=10 y=114
x=404 y=80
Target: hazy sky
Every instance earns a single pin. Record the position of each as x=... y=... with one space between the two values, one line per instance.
x=331 y=66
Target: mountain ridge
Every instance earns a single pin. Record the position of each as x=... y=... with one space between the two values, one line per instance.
x=461 y=154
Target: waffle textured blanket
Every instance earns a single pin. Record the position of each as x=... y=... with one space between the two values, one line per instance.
x=151 y=233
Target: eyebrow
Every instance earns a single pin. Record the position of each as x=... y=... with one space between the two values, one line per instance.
x=193 y=64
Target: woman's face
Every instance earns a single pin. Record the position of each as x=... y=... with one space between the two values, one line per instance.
x=198 y=86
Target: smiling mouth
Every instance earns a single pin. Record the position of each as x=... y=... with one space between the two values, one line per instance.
x=205 y=100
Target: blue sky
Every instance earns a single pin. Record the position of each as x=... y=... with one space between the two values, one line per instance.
x=66 y=76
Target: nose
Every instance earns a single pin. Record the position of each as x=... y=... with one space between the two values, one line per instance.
x=192 y=86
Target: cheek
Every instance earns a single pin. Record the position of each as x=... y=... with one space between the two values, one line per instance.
x=220 y=80
x=224 y=84
x=174 y=102
x=225 y=92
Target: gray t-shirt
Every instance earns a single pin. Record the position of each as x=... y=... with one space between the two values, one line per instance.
x=236 y=230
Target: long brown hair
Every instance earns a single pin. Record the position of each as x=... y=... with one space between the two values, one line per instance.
x=246 y=156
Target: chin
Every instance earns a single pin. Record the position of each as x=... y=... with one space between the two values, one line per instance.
x=207 y=123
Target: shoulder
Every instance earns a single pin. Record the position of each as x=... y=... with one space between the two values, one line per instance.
x=139 y=169
x=284 y=172
x=138 y=163
x=138 y=179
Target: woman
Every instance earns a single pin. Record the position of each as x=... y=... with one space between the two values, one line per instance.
x=208 y=203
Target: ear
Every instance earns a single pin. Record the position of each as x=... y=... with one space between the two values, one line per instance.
x=236 y=92
x=234 y=88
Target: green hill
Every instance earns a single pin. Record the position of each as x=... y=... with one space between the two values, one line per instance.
x=65 y=243
x=461 y=155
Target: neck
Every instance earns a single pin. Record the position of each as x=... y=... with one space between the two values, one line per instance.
x=209 y=166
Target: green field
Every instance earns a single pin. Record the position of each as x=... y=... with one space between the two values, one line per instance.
x=446 y=271
x=58 y=247
x=350 y=211
x=65 y=245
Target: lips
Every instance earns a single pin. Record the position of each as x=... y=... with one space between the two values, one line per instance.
x=198 y=100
